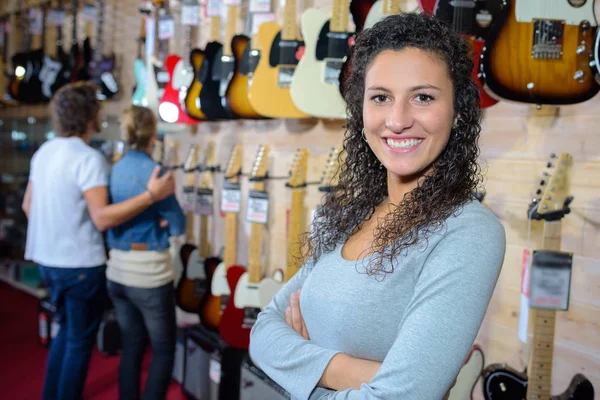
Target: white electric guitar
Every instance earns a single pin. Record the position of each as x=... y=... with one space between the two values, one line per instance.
x=383 y=8
x=246 y=294
x=468 y=375
x=269 y=286
x=184 y=73
x=158 y=76
x=219 y=285
x=315 y=84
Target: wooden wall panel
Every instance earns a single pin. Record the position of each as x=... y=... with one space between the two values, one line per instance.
x=515 y=143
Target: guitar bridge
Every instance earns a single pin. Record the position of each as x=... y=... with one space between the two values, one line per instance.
x=547 y=39
x=250 y=315
x=333 y=68
x=284 y=76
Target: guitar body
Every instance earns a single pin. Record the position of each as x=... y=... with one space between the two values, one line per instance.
x=376 y=14
x=101 y=73
x=17 y=60
x=170 y=107
x=192 y=97
x=156 y=83
x=267 y=96
x=213 y=101
x=504 y=383
x=182 y=75
x=511 y=72
x=141 y=73
x=230 y=326
x=210 y=307
x=64 y=76
x=49 y=74
x=82 y=72
x=477 y=21
x=468 y=375
x=30 y=87
x=359 y=9
x=310 y=91
x=237 y=91
x=191 y=293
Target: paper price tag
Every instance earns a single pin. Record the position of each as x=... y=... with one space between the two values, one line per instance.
x=189 y=198
x=259 y=18
x=36 y=21
x=550 y=280
x=214 y=371
x=213 y=8
x=232 y=2
x=258 y=207
x=166 y=28
x=231 y=197
x=524 y=303
x=56 y=16
x=89 y=12
x=204 y=202
x=190 y=15
x=263 y=6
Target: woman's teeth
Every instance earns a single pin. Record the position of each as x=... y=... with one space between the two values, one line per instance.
x=403 y=144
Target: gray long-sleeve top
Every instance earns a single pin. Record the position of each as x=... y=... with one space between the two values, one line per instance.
x=420 y=321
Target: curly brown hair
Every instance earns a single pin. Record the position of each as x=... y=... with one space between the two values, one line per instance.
x=455 y=174
x=74 y=107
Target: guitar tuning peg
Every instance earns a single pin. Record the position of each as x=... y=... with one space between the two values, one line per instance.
x=538 y=192
x=545 y=174
x=552 y=155
x=542 y=183
x=549 y=165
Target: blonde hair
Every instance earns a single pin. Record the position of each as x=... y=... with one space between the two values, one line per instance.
x=138 y=126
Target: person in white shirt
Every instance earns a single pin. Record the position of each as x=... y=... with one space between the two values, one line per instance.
x=67 y=203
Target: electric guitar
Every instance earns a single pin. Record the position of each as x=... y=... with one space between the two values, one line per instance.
x=216 y=72
x=100 y=68
x=468 y=376
x=237 y=91
x=140 y=72
x=85 y=56
x=269 y=286
x=315 y=84
x=243 y=304
x=76 y=57
x=472 y=19
x=503 y=383
x=383 y=8
x=19 y=60
x=533 y=46
x=52 y=72
x=280 y=51
x=199 y=65
x=4 y=82
x=220 y=285
x=66 y=72
x=158 y=77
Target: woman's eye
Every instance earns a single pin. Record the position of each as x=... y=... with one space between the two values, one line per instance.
x=424 y=98
x=379 y=98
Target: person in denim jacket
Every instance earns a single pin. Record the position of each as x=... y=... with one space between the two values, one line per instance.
x=139 y=271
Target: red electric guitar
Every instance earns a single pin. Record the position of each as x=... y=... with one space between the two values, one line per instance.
x=233 y=326
x=472 y=19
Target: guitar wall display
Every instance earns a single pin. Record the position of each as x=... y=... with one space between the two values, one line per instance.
x=157 y=76
x=503 y=383
x=541 y=54
x=55 y=71
x=140 y=71
x=100 y=68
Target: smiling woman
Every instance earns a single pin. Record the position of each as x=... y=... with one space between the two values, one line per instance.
x=392 y=294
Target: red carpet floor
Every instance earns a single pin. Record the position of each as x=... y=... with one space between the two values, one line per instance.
x=22 y=358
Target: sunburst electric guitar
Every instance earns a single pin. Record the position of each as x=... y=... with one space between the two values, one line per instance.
x=280 y=51
x=540 y=51
x=503 y=383
x=269 y=286
x=315 y=84
x=243 y=283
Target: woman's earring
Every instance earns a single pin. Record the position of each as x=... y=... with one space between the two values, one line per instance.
x=364 y=135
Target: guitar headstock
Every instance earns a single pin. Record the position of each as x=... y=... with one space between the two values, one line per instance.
x=330 y=178
x=298 y=169
x=209 y=161
x=157 y=151
x=171 y=158
x=260 y=167
x=234 y=165
x=551 y=198
x=191 y=162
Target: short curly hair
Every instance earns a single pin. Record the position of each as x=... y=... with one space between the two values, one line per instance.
x=455 y=175
x=74 y=107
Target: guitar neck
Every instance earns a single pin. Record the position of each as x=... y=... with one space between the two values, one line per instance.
x=189 y=227
x=295 y=229
x=230 y=29
x=203 y=245
x=99 y=32
x=215 y=29
x=74 y=7
x=255 y=251
x=540 y=363
x=188 y=32
x=230 y=253
x=289 y=30
x=339 y=16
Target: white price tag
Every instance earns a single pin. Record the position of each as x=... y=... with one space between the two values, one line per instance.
x=189 y=198
x=263 y=6
x=166 y=28
x=89 y=12
x=36 y=21
x=231 y=198
x=213 y=8
x=204 y=202
x=258 y=207
x=56 y=16
x=232 y=2
x=259 y=18
x=190 y=15
x=214 y=371
x=550 y=280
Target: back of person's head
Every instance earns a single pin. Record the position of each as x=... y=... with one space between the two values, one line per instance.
x=138 y=127
x=74 y=108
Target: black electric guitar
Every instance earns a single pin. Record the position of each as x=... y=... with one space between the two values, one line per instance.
x=100 y=68
x=55 y=71
x=503 y=383
x=213 y=102
x=30 y=86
